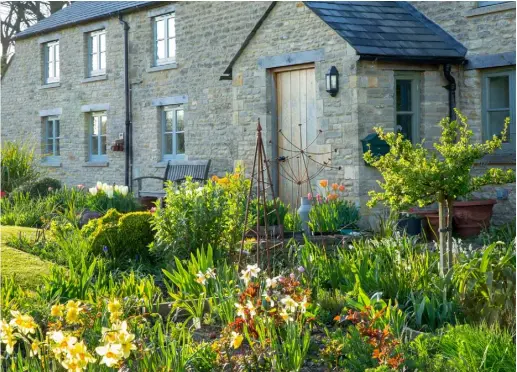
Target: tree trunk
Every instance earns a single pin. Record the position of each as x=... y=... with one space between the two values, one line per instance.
x=450 y=213
x=442 y=233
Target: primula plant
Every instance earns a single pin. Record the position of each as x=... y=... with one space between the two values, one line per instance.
x=415 y=175
x=330 y=212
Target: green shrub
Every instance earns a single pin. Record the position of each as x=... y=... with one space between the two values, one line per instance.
x=463 y=348
x=120 y=236
x=41 y=187
x=17 y=164
x=271 y=212
x=195 y=216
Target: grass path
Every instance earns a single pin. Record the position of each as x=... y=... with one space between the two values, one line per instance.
x=27 y=268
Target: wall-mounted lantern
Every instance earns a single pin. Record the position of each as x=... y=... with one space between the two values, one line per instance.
x=332 y=81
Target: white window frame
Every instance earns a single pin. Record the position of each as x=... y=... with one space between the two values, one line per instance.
x=55 y=121
x=97 y=54
x=51 y=49
x=508 y=147
x=166 y=60
x=415 y=102
x=174 y=132
x=98 y=157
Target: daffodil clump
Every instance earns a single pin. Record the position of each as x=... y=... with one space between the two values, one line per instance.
x=62 y=341
x=275 y=302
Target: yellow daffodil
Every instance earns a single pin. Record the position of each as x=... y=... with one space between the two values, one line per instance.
x=62 y=342
x=57 y=310
x=72 y=311
x=24 y=323
x=269 y=299
x=35 y=349
x=114 y=305
x=111 y=354
x=109 y=335
x=80 y=354
x=210 y=273
x=236 y=340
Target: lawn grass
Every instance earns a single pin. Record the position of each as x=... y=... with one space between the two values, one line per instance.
x=27 y=268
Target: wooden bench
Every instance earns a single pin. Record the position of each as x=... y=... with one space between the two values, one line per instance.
x=176 y=171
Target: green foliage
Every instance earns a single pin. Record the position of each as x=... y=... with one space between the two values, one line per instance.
x=120 y=236
x=271 y=212
x=463 y=348
x=292 y=221
x=333 y=215
x=17 y=166
x=486 y=284
x=41 y=187
x=195 y=216
x=414 y=175
x=494 y=176
x=505 y=233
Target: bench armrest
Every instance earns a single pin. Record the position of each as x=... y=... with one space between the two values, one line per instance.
x=152 y=177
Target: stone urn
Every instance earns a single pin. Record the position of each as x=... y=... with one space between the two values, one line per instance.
x=470 y=217
x=303 y=212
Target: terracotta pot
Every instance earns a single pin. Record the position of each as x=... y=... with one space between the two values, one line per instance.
x=470 y=217
x=430 y=223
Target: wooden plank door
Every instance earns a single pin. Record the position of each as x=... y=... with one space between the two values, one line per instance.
x=296 y=123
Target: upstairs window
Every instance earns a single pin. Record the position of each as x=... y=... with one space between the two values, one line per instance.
x=498 y=104
x=173 y=133
x=51 y=137
x=407 y=103
x=97 y=53
x=164 y=39
x=51 y=62
x=98 y=126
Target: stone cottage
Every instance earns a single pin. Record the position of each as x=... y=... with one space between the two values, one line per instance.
x=188 y=80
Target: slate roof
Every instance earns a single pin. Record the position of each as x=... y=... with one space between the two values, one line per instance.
x=389 y=30
x=79 y=12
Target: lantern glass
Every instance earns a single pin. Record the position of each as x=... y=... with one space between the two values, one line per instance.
x=333 y=81
x=328 y=82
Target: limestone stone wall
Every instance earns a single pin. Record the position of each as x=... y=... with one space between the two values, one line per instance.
x=290 y=28
x=208 y=35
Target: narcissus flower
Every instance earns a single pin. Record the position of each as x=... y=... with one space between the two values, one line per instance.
x=269 y=299
x=72 y=311
x=285 y=316
x=304 y=305
x=240 y=311
x=289 y=303
x=251 y=309
x=111 y=354
x=35 y=349
x=201 y=278
x=251 y=271
x=236 y=340
x=24 y=323
x=62 y=342
x=7 y=337
x=57 y=310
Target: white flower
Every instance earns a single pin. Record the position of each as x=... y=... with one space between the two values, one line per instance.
x=210 y=273
x=116 y=188
x=272 y=283
x=251 y=308
x=285 y=316
x=109 y=192
x=111 y=354
x=240 y=311
x=201 y=278
x=93 y=190
x=124 y=190
x=104 y=187
x=251 y=271
x=289 y=303
x=99 y=185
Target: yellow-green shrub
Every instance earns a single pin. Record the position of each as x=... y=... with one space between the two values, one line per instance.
x=120 y=235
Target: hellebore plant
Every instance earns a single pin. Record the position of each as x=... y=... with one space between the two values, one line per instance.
x=414 y=175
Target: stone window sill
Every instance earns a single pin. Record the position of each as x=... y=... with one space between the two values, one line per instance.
x=490 y=9
x=50 y=85
x=507 y=158
x=51 y=164
x=169 y=66
x=96 y=164
x=94 y=78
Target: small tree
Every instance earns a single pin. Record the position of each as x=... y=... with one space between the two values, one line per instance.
x=414 y=175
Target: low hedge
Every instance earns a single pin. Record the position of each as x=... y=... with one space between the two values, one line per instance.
x=121 y=236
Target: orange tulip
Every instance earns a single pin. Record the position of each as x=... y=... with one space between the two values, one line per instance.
x=324 y=183
x=341 y=188
x=332 y=197
x=215 y=178
x=334 y=186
